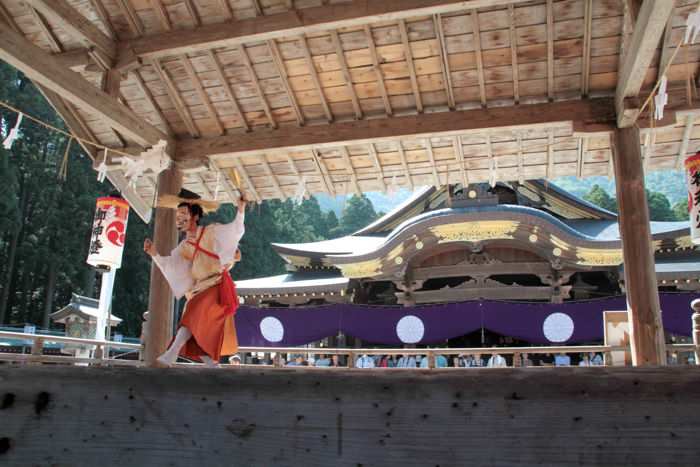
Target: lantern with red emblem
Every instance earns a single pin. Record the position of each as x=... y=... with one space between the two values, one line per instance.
x=692 y=170
x=108 y=233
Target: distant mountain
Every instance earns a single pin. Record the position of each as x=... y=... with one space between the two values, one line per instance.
x=670 y=182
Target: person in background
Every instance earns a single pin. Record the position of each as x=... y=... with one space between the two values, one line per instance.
x=526 y=360
x=364 y=361
x=335 y=361
x=562 y=360
x=596 y=359
x=322 y=360
x=234 y=360
x=585 y=360
x=440 y=362
x=406 y=361
x=298 y=360
x=384 y=362
x=496 y=361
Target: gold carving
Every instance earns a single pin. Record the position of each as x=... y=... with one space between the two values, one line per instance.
x=556 y=241
x=298 y=260
x=599 y=257
x=475 y=231
x=363 y=269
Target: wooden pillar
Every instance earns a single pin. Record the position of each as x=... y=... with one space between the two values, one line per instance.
x=160 y=300
x=695 y=304
x=643 y=308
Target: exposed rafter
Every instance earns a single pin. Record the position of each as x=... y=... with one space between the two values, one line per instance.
x=408 y=55
x=459 y=156
x=131 y=17
x=378 y=70
x=61 y=13
x=314 y=77
x=476 y=34
x=282 y=71
x=292 y=24
x=587 y=35
x=256 y=83
x=176 y=99
x=377 y=166
x=433 y=165
x=404 y=164
x=550 y=50
x=514 y=53
x=243 y=173
x=203 y=96
x=576 y=114
x=44 y=69
x=650 y=25
x=346 y=73
x=227 y=88
x=444 y=61
x=353 y=176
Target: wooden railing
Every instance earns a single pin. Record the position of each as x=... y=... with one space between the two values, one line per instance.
x=101 y=354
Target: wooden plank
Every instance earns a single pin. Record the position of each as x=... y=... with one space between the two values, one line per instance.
x=575 y=114
x=51 y=38
x=445 y=62
x=353 y=13
x=521 y=173
x=242 y=51
x=459 y=155
x=131 y=17
x=279 y=65
x=101 y=12
x=323 y=172
x=151 y=100
x=411 y=66
x=348 y=164
x=431 y=159
x=377 y=166
x=582 y=149
x=61 y=13
x=648 y=30
x=225 y=9
x=550 y=50
x=176 y=99
x=378 y=70
x=550 y=155
x=476 y=32
x=587 y=34
x=272 y=177
x=214 y=59
x=192 y=11
x=404 y=164
x=46 y=70
x=204 y=97
x=644 y=311
x=314 y=77
x=514 y=53
x=666 y=46
x=346 y=73
x=162 y=14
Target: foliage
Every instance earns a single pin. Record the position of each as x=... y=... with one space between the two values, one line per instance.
x=358 y=213
x=600 y=197
x=659 y=206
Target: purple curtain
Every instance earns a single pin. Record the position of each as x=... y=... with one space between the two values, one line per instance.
x=538 y=323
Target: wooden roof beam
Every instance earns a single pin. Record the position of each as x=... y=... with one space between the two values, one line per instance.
x=587 y=35
x=101 y=12
x=61 y=13
x=348 y=163
x=346 y=73
x=459 y=155
x=131 y=17
x=152 y=101
x=256 y=83
x=282 y=71
x=227 y=88
x=242 y=171
x=431 y=159
x=445 y=61
x=648 y=30
x=408 y=55
x=162 y=14
x=323 y=172
x=583 y=115
x=314 y=77
x=377 y=166
x=176 y=98
x=46 y=70
x=293 y=24
x=404 y=164
x=271 y=175
x=378 y=70
x=189 y=69
x=514 y=54
x=476 y=34
x=550 y=50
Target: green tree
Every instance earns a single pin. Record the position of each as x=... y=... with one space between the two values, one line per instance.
x=600 y=197
x=331 y=221
x=659 y=207
x=358 y=214
x=680 y=210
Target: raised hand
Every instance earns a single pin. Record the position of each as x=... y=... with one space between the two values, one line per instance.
x=148 y=247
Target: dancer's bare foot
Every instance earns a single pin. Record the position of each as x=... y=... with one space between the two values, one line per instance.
x=166 y=359
x=207 y=360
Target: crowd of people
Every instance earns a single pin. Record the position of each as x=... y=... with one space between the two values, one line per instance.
x=487 y=360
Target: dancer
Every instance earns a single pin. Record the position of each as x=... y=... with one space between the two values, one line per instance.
x=198 y=268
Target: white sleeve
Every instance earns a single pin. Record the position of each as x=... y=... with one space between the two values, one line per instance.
x=226 y=238
x=177 y=271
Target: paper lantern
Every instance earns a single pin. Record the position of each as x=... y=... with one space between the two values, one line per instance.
x=108 y=233
x=692 y=171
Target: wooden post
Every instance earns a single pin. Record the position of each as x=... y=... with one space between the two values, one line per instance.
x=695 y=304
x=646 y=331
x=160 y=301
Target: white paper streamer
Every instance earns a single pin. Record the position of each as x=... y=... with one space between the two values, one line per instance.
x=14 y=133
x=661 y=99
x=692 y=27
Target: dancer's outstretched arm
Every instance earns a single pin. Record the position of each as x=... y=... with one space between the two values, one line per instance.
x=175 y=268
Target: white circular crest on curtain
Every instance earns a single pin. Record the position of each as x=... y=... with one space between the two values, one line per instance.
x=272 y=329
x=410 y=329
x=558 y=327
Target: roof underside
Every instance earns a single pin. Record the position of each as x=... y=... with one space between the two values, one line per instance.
x=449 y=59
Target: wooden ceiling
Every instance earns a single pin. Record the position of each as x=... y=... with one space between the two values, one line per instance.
x=363 y=95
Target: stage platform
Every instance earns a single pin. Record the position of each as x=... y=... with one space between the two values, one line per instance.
x=78 y=416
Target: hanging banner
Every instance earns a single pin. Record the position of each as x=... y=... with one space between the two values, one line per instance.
x=692 y=171
x=108 y=233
